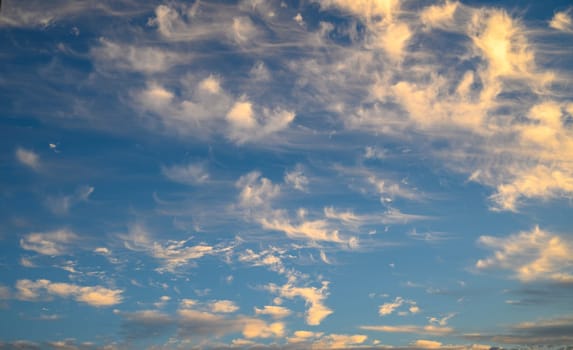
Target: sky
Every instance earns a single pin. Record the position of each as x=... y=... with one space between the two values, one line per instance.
x=286 y=174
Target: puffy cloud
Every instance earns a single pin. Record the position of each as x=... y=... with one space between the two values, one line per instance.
x=313 y=297
x=562 y=21
x=255 y=190
x=274 y=311
x=97 y=296
x=191 y=174
x=28 y=158
x=536 y=255
x=223 y=306
x=50 y=243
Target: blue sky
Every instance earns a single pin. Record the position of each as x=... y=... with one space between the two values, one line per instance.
x=348 y=174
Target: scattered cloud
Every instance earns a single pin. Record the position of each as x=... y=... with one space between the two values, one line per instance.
x=274 y=311
x=313 y=297
x=93 y=295
x=562 y=21
x=126 y=57
x=297 y=179
x=62 y=204
x=49 y=243
x=28 y=158
x=531 y=256
x=223 y=306
x=389 y=308
x=190 y=174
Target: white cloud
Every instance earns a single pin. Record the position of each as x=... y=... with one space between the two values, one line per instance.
x=297 y=179
x=562 y=21
x=93 y=295
x=172 y=254
x=314 y=298
x=274 y=311
x=128 y=57
x=256 y=191
x=389 y=308
x=531 y=256
x=223 y=306
x=191 y=174
x=28 y=158
x=49 y=243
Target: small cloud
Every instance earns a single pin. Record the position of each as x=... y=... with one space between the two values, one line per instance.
x=389 y=308
x=562 y=21
x=93 y=295
x=28 y=158
x=427 y=344
x=50 y=243
x=190 y=174
x=314 y=298
x=274 y=311
x=223 y=306
x=297 y=179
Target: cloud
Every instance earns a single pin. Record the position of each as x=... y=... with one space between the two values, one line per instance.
x=389 y=308
x=562 y=21
x=436 y=16
x=93 y=295
x=28 y=158
x=274 y=311
x=339 y=341
x=246 y=124
x=313 y=297
x=36 y=13
x=534 y=255
x=427 y=344
x=366 y=9
x=172 y=254
x=126 y=57
x=61 y=204
x=297 y=179
x=223 y=306
x=429 y=329
x=256 y=191
x=541 y=332
x=190 y=323
x=49 y=243
x=190 y=174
